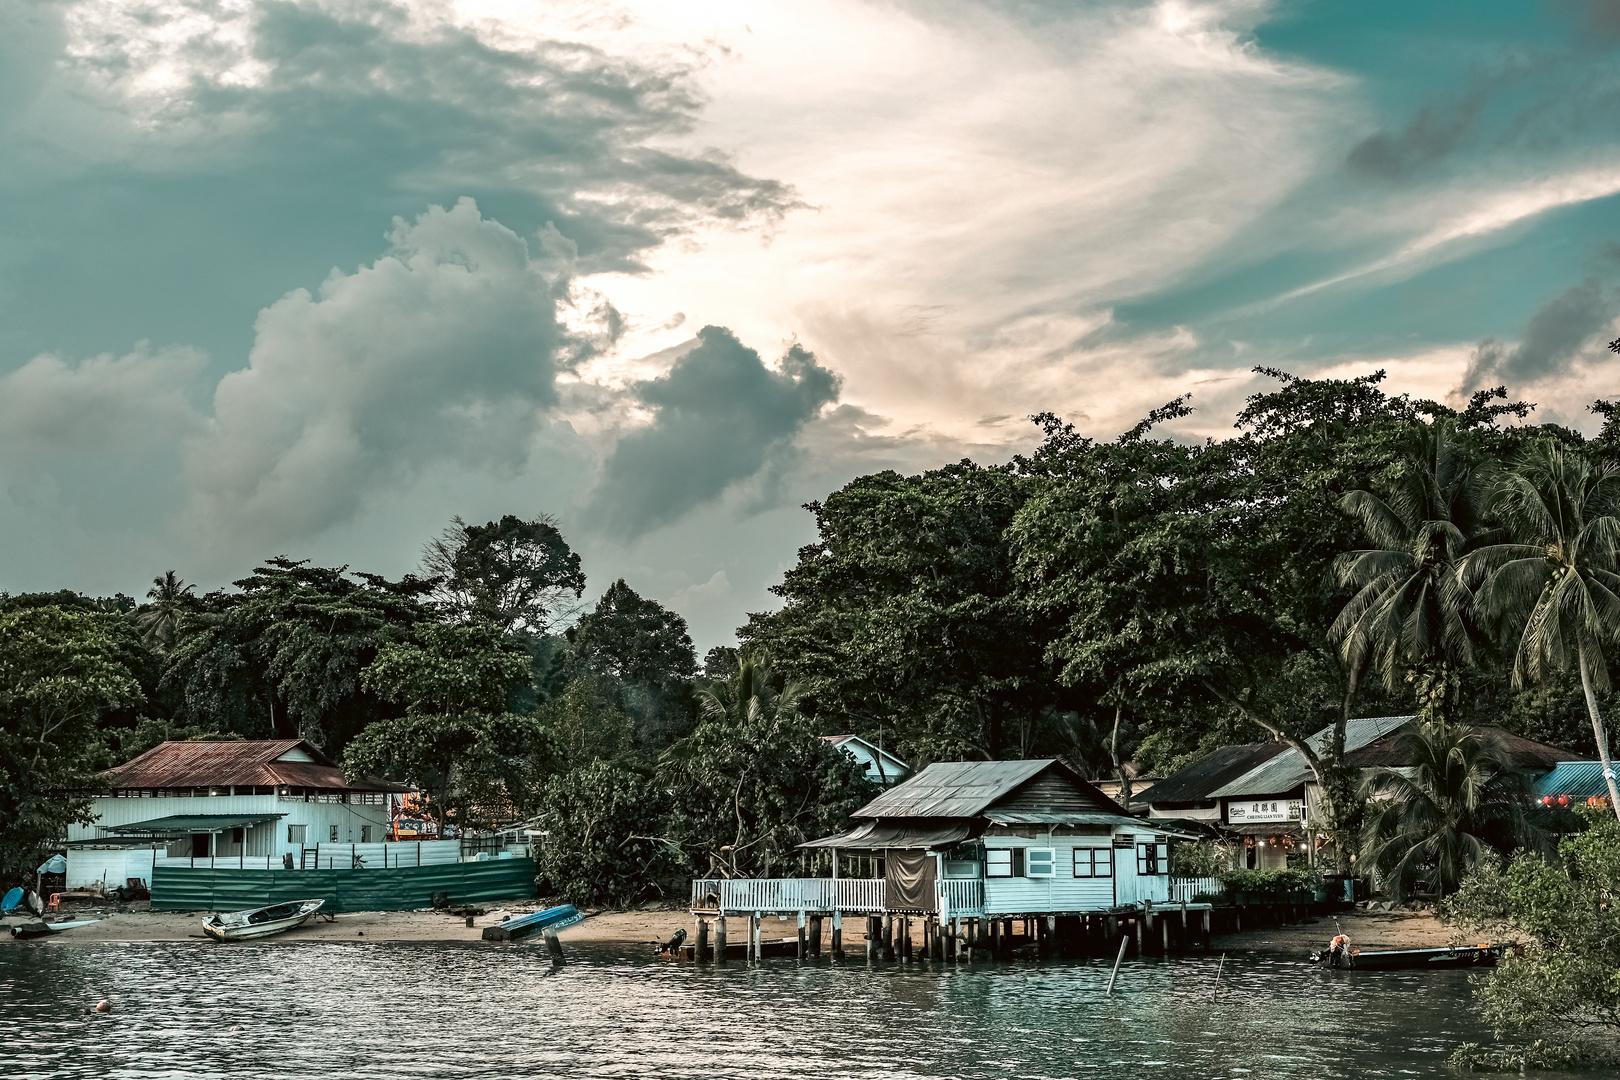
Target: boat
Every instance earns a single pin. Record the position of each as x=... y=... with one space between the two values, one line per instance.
x=24 y=931
x=260 y=922
x=1460 y=956
x=521 y=927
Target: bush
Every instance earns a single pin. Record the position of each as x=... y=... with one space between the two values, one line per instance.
x=1270 y=882
x=603 y=844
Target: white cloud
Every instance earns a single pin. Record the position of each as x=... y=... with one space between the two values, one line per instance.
x=447 y=348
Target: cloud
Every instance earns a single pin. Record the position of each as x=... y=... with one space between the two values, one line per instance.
x=446 y=348
x=720 y=417
x=1434 y=132
x=1552 y=340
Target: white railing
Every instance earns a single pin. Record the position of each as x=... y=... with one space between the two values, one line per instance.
x=1182 y=890
x=324 y=856
x=960 y=898
x=788 y=894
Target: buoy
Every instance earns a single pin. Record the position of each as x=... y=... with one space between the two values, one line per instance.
x=359 y=933
x=102 y=1006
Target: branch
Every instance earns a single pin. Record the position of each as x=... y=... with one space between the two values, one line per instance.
x=1298 y=744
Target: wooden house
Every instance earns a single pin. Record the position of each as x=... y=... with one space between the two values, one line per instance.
x=983 y=841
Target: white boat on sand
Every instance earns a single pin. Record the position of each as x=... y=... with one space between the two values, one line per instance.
x=260 y=922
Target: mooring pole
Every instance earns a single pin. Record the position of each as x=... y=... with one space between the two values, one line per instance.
x=1218 y=969
x=553 y=946
x=1123 y=941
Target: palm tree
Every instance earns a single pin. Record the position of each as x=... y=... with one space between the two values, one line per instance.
x=1554 y=586
x=170 y=599
x=748 y=694
x=1409 y=611
x=1460 y=801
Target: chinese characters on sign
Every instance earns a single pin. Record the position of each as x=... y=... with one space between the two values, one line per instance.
x=1238 y=813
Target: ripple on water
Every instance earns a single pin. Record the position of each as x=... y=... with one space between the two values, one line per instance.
x=471 y=1010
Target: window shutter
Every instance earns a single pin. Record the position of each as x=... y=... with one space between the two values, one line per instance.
x=1163 y=851
x=1103 y=862
x=1042 y=862
x=1142 y=856
x=998 y=862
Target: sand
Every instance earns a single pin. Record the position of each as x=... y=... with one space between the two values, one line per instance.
x=651 y=924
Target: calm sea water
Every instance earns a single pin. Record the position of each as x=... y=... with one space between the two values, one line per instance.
x=379 y=1011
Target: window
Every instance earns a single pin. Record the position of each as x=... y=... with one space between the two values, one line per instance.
x=333 y=834
x=1152 y=859
x=1093 y=862
x=295 y=833
x=1042 y=862
x=998 y=862
x=236 y=837
x=365 y=834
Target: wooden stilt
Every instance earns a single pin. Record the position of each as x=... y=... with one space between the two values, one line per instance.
x=1164 y=934
x=838 y=935
x=815 y=935
x=804 y=943
x=720 y=939
x=1208 y=918
x=888 y=937
x=871 y=938
x=700 y=952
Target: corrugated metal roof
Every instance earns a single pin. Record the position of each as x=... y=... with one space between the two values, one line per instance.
x=953 y=789
x=1196 y=781
x=239 y=763
x=1577 y=779
x=1526 y=753
x=183 y=824
x=1288 y=770
x=1031 y=817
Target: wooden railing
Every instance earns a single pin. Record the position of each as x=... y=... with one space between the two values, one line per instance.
x=957 y=897
x=960 y=897
x=1183 y=889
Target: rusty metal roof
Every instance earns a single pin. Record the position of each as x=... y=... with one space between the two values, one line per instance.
x=952 y=789
x=1526 y=753
x=238 y=763
x=1214 y=770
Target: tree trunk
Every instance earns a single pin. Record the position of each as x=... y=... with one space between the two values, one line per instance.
x=1598 y=732
x=1119 y=766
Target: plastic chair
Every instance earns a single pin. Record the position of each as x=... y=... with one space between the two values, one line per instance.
x=55 y=906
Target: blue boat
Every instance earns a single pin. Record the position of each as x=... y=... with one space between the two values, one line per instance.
x=524 y=925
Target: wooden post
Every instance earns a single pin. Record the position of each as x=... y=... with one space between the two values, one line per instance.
x=815 y=935
x=1186 y=937
x=700 y=951
x=553 y=946
x=1051 y=935
x=1209 y=913
x=1141 y=934
x=871 y=938
x=720 y=939
x=804 y=944
x=837 y=929
x=1164 y=927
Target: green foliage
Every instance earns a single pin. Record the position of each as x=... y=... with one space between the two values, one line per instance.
x=601 y=844
x=282 y=656
x=1563 y=914
x=1199 y=859
x=754 y=780
x=517 y=574
x=61 y=676
x=645 y=647
x=584 y=723
x=1270 y=882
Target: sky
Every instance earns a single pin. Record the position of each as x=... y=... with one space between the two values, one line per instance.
x=311 y=278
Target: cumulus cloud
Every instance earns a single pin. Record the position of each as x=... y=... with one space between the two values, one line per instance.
x=446 y=348
x=1553 y=340
x=720 y=417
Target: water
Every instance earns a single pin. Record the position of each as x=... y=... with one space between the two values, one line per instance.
x=417 y=1011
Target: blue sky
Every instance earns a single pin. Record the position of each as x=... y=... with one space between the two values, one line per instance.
x=312 y=277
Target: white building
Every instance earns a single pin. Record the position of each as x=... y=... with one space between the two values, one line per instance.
x=265 y=803
x=882 y=767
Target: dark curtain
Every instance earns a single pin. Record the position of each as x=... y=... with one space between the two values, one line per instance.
x=908 y=879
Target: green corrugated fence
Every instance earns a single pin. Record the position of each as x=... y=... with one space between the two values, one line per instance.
x=179 y=888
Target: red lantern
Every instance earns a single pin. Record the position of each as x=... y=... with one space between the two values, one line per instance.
x=1563 y=800
x=1546 y=800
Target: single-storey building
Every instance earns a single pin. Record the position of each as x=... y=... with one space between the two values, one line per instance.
x=258 y=803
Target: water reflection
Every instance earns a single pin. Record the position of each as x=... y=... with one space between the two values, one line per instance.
x=476 y=1010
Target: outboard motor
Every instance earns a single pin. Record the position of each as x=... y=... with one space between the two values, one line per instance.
x=672 y=944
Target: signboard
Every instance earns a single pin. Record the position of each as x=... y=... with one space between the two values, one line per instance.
x=1243 y=813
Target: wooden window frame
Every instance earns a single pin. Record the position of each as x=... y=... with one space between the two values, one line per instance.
x=993 y=867
x=1050 y=862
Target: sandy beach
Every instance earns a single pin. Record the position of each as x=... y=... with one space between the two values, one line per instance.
x=650 y=925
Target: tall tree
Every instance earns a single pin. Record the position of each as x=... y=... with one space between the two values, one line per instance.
x=1553 y=588
x=1410 y=615
x=520 y=575
x=646 y=648
x=169 y=600
x=60 y=677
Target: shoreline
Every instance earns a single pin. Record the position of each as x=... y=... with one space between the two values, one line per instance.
x=655 y=925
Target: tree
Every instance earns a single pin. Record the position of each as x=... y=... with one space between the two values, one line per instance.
x=754 y=779
x=514 y=573
x=1460 y=803
x=282 y=656
x=1552 y=588
x=170 y=601
x=1410 y=613
x=60 y=677
x=602 y=842
x=584 y=723
x=1563 y=914
x=456 y=743
x=646 y=648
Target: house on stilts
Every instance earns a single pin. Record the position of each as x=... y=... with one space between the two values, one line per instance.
x=985 y=855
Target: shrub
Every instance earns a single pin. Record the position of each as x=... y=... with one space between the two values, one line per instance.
x=1270 y=882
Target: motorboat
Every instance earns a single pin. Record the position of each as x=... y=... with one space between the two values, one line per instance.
x=261 y=922
x=517 y=929
x=1456 y=956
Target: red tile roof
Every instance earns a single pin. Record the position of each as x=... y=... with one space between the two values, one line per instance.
x=241 y=763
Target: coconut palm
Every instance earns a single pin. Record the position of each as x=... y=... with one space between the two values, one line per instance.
x=1554 y=586
x=1459 y=802
x=748 y=694
x=170 y=599
x=1409 y=610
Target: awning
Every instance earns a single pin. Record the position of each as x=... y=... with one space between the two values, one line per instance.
x=186 y=824
x=876 y=836
x=1266 y=828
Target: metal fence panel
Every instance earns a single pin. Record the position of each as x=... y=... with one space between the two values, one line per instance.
x=183 y=889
